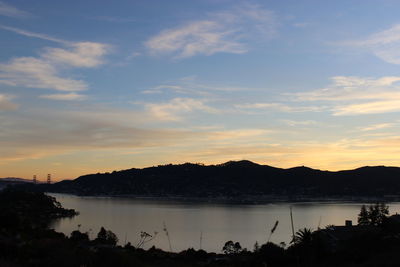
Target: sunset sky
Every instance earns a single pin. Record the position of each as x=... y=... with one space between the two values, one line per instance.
x=93 y=86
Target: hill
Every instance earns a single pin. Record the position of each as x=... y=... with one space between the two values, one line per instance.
x=234 y=180
x=15 y=180
x=7 y=181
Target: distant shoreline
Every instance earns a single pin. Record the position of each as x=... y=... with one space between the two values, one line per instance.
x=259 y=200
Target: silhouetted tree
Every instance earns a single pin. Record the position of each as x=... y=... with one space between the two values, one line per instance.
x=374 y=215
x=271 y=253
x=256 y=247
x=78 y=236
x=363 y=216
x=232 y=248
x=106 y=237
x=303 y=236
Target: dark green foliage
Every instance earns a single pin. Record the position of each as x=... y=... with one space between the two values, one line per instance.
x=363 y=216
x=256 y=247
x=271 y=254
x=106 y=237
x=23 y=209
x=79 y=237
x=303 y=237
x=232 y=248
x=375 y=214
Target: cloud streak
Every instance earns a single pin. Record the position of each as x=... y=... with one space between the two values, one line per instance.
x=65 y=97
x=190 y=85
x=82 y=54
x=379 y=126
x=34 y=35
x=177 y=108
x=37 y=73
x=6 y=103
x=225 y=32
x=385 y=44
x=11 y=11
x=278 y=107
x=349 y=95
x=373 y=107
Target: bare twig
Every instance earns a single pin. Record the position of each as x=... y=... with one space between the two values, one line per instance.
x=167 y=234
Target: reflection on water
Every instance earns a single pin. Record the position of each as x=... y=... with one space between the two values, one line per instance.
x=187 y=222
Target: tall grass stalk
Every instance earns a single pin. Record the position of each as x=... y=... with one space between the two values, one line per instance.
x=273 y=230
x=165 y=229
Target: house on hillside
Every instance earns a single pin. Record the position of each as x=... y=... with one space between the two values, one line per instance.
x=334 y=237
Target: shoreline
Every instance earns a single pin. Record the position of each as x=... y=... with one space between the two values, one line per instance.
x=246 y=200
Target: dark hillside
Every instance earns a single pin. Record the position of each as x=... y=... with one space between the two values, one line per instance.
x=234 y=180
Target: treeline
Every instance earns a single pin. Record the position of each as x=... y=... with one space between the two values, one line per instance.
x=236 y=180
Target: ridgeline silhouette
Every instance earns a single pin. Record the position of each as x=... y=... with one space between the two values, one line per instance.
x=235 y=180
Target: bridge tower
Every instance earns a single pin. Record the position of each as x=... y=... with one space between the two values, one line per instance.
x=34 y=179
x=49 y=178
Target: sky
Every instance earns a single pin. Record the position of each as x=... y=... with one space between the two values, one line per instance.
x=96 y=86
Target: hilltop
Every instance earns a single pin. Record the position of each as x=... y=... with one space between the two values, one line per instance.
x=235 y=180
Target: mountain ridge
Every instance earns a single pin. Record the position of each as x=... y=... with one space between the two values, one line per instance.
x=234 y=179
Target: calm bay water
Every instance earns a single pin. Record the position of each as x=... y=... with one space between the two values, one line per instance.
x=188 y=222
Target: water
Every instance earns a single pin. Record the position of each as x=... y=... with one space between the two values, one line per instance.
x=198 y=224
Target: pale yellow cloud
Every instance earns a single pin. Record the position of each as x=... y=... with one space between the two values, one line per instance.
x=368 y=108
x=378 y=126
x=6 y=103
x=65 y=97
x=279 y=107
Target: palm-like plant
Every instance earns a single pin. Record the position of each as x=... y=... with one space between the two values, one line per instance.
x=303 y=236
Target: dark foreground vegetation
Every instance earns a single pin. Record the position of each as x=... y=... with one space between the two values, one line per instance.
x=236 y=181
x=25 y=240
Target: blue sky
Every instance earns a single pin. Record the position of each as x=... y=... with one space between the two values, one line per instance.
x=88 y=86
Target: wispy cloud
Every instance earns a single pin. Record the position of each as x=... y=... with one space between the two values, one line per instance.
x=225 y=31
x=44 y=71
x=6 y=104
x=346 y=95
x=191 y=85
x=378 y=126
x=384 y=44
x=202 y=37
x=238 y=134
x=34 y=35
x=11 y=11
x=82 y=54
x=113 y=19
x=177 y=108
x=65 y=97
x=372 y=107
x=355 y=88
x=279 y=107
x=301 y=24
x=357 y=95
x=37 y=73
x=299 y=123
